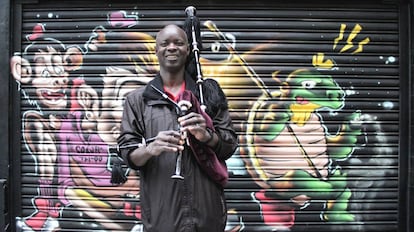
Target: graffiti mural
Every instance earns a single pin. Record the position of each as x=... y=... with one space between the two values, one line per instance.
x=301 y=128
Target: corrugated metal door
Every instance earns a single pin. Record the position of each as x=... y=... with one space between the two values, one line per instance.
x=313 y=91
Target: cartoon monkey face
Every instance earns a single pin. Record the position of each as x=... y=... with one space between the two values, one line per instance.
x=50 y=79
x=45 y=66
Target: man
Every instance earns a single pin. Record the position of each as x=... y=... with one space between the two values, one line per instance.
x=151 y=121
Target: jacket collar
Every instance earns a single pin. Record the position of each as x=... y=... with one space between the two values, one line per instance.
x=151 y=94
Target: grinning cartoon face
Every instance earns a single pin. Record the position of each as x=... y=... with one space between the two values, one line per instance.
x=118 y=82
x=50 y=79
x=44 y=69
x=135 y=64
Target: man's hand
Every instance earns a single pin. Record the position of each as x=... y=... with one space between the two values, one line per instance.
x=195 y=124
x=166 y=141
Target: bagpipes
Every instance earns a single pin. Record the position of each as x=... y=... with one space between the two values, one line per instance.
x=207 y=159
x=216 y=99
x=193 y=67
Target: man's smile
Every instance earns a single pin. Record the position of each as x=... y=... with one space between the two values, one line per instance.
x=171 y=57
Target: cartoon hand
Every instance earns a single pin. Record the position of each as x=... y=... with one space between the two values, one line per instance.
x=355 y=122
x=349 y=135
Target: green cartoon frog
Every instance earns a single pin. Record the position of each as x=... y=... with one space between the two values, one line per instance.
x=289 y=150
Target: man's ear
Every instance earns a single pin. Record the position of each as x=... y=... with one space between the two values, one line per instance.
x=188 y=50
x=21 y=69
x=73 y=58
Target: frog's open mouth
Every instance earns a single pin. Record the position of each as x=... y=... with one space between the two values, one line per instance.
x=301 y=100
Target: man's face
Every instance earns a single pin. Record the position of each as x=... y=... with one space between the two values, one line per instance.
x=50 y=79
x=172 y=48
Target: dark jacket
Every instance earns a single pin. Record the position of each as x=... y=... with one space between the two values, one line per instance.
x=169 y=205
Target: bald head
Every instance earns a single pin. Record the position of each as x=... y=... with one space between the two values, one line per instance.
x=171 y=28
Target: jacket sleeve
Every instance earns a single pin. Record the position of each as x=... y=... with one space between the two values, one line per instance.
x=228 y=141
x=217 y=109
x=131 y=132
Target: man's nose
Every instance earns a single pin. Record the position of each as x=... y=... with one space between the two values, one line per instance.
x=171 y=46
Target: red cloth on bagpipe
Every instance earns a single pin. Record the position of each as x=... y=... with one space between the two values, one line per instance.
x=206 y=157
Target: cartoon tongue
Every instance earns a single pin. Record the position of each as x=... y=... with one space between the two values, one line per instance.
x=301 y=100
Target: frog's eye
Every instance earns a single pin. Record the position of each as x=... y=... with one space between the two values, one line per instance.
x=309 y=84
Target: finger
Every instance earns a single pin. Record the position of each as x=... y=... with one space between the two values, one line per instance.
x=189 y=118
x=193 y=121
x=199 y=124
x=158 y=148
x=166 y=135
x=173 y=147
x=175 y=139
x=196 y=126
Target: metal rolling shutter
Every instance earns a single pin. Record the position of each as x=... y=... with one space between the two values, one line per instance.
x=327 y=163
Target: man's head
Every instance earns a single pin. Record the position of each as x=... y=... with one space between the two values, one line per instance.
x=172 y=48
